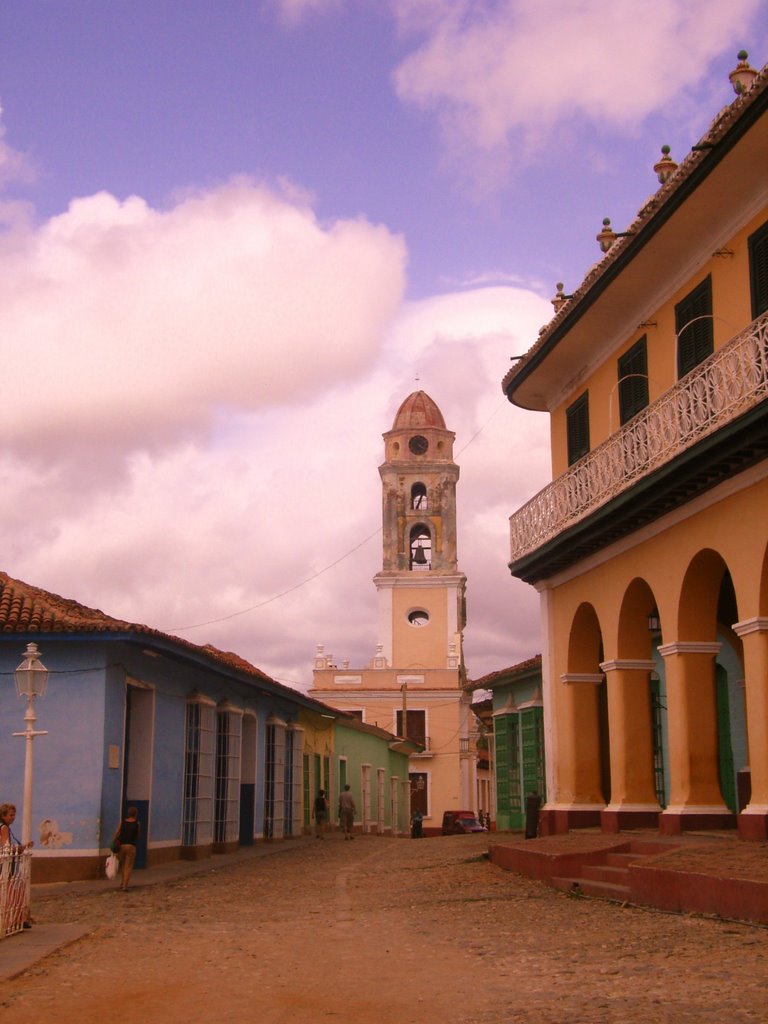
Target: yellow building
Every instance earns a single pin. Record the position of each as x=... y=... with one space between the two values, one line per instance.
x=650 y=547
x=413 y=684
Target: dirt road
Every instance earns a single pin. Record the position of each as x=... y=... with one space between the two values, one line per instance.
x=390 y=931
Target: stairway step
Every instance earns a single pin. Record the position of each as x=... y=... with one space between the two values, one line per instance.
x=590 y=887
x=619 y=874
x=622 y=860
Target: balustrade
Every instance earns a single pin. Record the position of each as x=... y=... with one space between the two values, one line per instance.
x=729 y=383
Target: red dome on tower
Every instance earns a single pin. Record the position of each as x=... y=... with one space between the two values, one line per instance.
x=418 y=410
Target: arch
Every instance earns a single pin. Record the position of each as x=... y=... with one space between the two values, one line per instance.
x=763 y=594
x=706 y=713
x=634 y=638
x=589 y=734
x=700 y=596
x=638 y=711
x=419 y=497
x=420 y=548
x=585 y=642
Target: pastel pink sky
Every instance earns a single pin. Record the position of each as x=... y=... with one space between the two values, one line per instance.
x=233 y=240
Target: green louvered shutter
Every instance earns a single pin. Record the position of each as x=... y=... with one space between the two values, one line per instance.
x=693 y=327
x=758 y=270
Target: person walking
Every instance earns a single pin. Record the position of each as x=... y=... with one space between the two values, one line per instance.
x=321 y=813
x=347 y=811
x=17 y=914
x=126 y=839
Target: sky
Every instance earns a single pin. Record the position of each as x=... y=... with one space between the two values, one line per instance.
x=234 y=236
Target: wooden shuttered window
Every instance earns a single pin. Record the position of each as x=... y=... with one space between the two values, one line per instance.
x=758 y=270
x=577 y=426
x=693 y=327
x=633 y=380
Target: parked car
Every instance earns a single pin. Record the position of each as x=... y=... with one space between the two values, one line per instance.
x=460 y=822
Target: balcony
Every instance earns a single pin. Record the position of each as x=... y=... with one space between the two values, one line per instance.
x=425 y=742
x=715 y=398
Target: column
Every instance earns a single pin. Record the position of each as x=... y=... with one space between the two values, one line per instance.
x=695 y=798
x=578 y=798
x=753 y=820
x=633 y=791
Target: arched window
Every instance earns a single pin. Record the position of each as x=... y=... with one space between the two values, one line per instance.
x=420 y=548
x=419 y=496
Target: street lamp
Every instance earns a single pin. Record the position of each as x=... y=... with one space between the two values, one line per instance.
x=31 y=680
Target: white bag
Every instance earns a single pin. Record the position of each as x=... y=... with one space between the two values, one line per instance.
x=111 y=866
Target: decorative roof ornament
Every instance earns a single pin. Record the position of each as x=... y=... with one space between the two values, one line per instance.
x=560 y=298
x=607 y=236
x=742 y=76
x=665 y=167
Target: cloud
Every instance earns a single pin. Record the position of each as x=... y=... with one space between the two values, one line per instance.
x=263 y=536
x=128 y=326
x=293 y=12
x=504 y=76
x=14 y=166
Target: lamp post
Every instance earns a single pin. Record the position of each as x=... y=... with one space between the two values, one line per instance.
x=31 y=680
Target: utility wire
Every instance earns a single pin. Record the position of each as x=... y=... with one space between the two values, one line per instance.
x=320 y=572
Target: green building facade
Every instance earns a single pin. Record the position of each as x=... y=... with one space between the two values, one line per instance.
x=374 y=764
x=518 y=739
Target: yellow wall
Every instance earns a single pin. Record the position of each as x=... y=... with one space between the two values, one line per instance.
x=419 y=646
x=678 y=569
x=380 y=697
x=731 y=308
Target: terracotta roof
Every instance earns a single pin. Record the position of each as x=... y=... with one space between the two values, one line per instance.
x=26 y=609
x=418 y=410
x=503 y=674
x=666 y=196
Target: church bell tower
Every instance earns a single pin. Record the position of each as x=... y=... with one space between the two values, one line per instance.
x=421 y=591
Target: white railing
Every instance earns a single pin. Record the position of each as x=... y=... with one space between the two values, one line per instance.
x=729 y=383
x=14 y=889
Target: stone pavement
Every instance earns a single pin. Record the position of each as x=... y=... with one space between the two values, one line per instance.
x=382 y=929
x=21 y=951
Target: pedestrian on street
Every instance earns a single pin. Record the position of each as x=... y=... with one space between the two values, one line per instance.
x=347 y=812
x=16 y=905
x=125 y=841
x=321 y=813
x=417 y=829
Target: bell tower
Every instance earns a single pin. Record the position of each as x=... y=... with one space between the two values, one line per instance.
x=421 y=591
x=414 y=684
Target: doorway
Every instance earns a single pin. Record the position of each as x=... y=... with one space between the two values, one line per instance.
x=137 y=763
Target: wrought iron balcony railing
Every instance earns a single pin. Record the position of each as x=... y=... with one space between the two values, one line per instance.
x=425 y=741
x=729 y=383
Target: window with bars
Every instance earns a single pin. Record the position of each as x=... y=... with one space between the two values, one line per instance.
x=197 y=818
x=226 y=822
x=577 y=427
x=758 y=270
x=365 y=779
x=296 y=787
x=274 y=778
x=288 y=784
x=307 y=792
x=633 y=380
x=693 y=327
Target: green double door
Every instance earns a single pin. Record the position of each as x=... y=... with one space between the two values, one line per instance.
x=519 y=764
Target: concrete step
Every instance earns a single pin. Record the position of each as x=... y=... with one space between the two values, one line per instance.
x=622 y=860
x=591 y=887
x=619 y=875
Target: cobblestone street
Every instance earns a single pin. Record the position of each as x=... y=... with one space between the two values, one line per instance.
x=384 y=930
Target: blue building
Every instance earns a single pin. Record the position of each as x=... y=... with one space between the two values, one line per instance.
x=206 y=746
